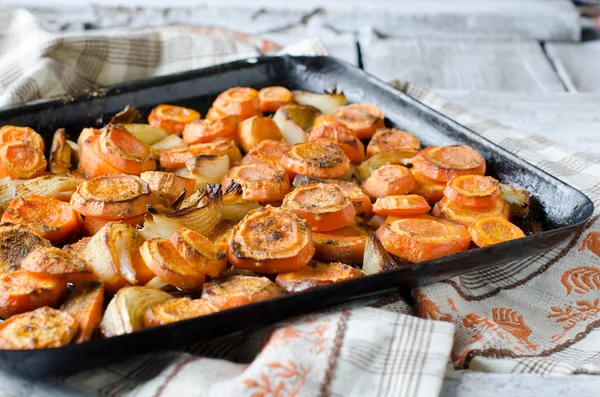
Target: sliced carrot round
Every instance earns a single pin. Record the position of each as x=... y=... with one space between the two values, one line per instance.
x=92 y=224
x=17 y=241
x=12 y=133
x=343 y=137
x=271 y=240
x=175 y=159
x=272 y=98
x=178 y=309
x=21 y=160
x=92 y=162
x=389 y=180
x=200 y=252
x=85 y=304
x=54 y=261
x=319 y=159
x=323 y=205
x=268 y=151
x=362 y=118
x=474 y=191
x=443 y=162
x=260 y=182
x=167 y=185
x=405 y=205
x=114 y=197
x=215 y=114
x=465 y=216
x=125 y=151
x=316 y=274
x=201 y=131
x=430 y=189
x=39 y=329
x=346 y=245
x=52 y=219
x=423 y=238
x=172 y=118
x=238 y=101
x=493 y=229
x=254 y=130
x=362 y=202
x=237 y=291
x=387 y=139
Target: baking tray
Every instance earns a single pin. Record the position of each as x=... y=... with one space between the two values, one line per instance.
x=561 y=210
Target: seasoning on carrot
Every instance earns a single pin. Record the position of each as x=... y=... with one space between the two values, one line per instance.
x=473 y=191
x=174 y=159
x=316 y=274
x=343 y=137
x=78 y=247
x=202 y=131
x=254 y=130
x=443 y=162
x=172 y=118
x=362 y=118
x=52 y=261
x=124 y=151
x=260 y=182
x=493 y=229
x=386 y=139
x=238 y=101
x=319 y=159
x=237 y=291
x=389 y=180
x=85 y=304
x=21 y=160
x=465 y=216
x=272 y=98
x=402 y=205
x=200 y=252
x=178 y=309
x=12 y=133
x=346 y=245
x=12 y=254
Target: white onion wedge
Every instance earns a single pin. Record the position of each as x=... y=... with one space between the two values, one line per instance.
x=207 y=169
x=326 y=103
x=60 y=153
x=398 y=156
x=170 y=142
x=518 y=199
x=235 y=208
x=376 y=258
x=146 y=133
x=294 y=121
x=159 y=283
x=60 y=187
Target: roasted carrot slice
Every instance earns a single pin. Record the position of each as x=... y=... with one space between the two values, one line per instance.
x=271 y=240
x=114 y=197
x=60 y=153
x=215 y=114
x=443 y=162
x=323 y=205
x=423 y=238
x=201 y=131
x=84 y=304
x=431 y=190
x=237 y=291
x=387 y=139
x=52 y=261
x=12 y=133
x=92 y=224
x=272 y=98
x=346 y=245
x=406 y=205
x=238 y=101
x=319 y=159
x=269 y=152
x=174 y=159
x=200 y=252
x=178 y=309
x=125 y=152
x=52 y=219
x=167 y=263
x=343 y=137
x=172 y=118
x=493 y=229
x=260 y=182
x=78 y=247
x=465 y=216
x=316 y=274
x=16 y=242
x=475 y=191
x=362 y=118
x=221 y=234
x=389 y=180
x=254 y=130
x=39 y=329
x=21 y=160
x=92 y=162
x=168 y=185
x=22 y=291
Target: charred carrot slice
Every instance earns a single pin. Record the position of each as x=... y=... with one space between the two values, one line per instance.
x=260 y=182
x=237 y=291
x=172 y=118
x=271 y=240
x=362 y=118
x=423 y=238
x=389 y=180
x=405 y=205
x=323 y=205
x=12 y=133
x=42 y=328
x=115 y=196
x=92 y=224
x=21 y=160
x=474 y=191
x=238 y=101
x=200 y=252
x=52 y=219
x=52 y=261
x=387 y=139
x=22 y=291
x=465 y=216
x=493 y=229
x=17 y=241
x=346 y=245
x=443 y=162
x=165 y=261
x=319 y=159
x=92 y=162
x=272 y=98
x=343 y=137
x=84 y=304
x=316 y=274
x=174 y=159
x=202 y=131
x=254 y=130
x=178 y=309
x=125 y=152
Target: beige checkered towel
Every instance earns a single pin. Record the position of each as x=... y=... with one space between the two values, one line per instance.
x=536 y=315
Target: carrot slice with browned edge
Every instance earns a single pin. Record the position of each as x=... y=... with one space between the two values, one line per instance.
x=22 y=291
x=465 y=216
x=269 y=152
x=11 y=253
x=493 y=229
x=21 y=160
x=443 y=162
x=405 y=205
x=430 y=189
x=389 y=180
x=254 y=130
x=125 y=152
x=271 y=240
x=201 y=131
x=12 y=133
x=362 y=118
x=92 y=224
x=272 y=98
x=238 y=101
x=423 y=238
x=260 y=182
x=178 y=309
x=475 y=191
x=346 y=245
x=323 y=205
x=343 y=137
x=39 y=329
x=84 y=304
x=200 y=252
x=52 y=261
x=168 y=185
x=172 y=118
x=78 y=247
x=92 y=162
x=387 y=139
x=237 y=291
x=174 y=159
x=317 y=274
x=319 y=159
x=52 y=219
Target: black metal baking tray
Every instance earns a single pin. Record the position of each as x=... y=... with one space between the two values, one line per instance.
x=562 y=209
